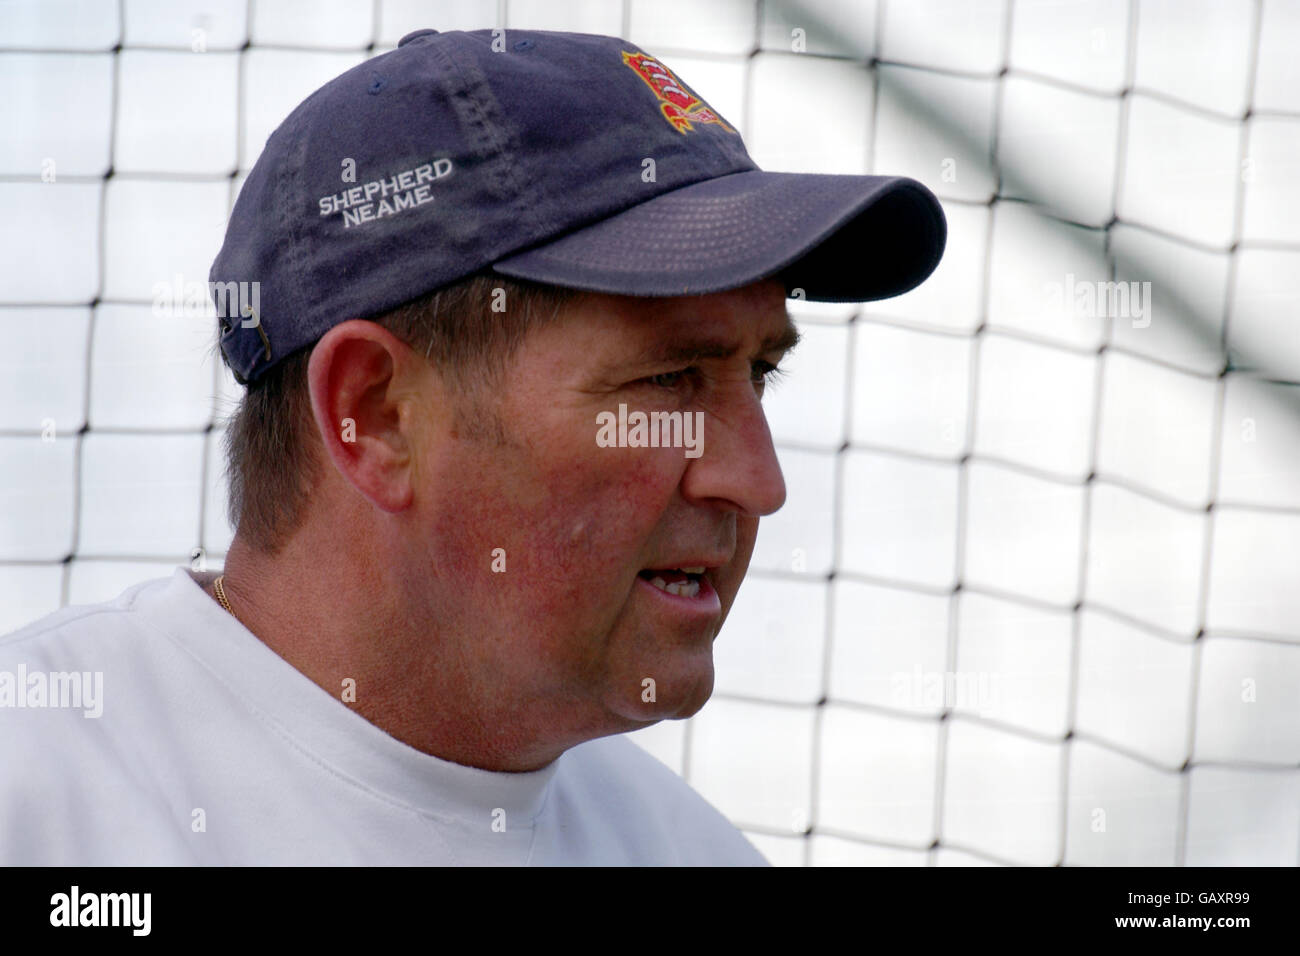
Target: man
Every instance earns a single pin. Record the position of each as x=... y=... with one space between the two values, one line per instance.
x=504 y=306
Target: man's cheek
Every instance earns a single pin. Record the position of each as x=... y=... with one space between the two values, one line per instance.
x=607 y=509
x=576 y=564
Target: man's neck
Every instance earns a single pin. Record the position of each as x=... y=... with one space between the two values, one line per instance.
x=348 y=634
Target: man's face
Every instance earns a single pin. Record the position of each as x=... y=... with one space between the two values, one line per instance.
x=574 y=625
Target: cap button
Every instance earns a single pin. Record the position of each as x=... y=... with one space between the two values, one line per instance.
x=415 y=35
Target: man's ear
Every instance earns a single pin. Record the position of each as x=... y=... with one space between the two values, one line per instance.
x=362 y=381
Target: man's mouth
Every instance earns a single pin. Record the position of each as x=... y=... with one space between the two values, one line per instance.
x=684 y=582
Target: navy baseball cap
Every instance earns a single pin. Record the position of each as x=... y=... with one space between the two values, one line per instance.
x=568 y=159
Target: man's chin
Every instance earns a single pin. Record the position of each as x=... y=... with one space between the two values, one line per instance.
x=673 y=697
x=693 y=706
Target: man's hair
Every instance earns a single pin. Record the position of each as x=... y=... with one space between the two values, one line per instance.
x=467 y=330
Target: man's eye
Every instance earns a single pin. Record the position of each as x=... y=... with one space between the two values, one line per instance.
x=761 y=373
x=669 y=379
x=765 y=373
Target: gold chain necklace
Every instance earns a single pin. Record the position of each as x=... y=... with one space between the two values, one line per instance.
x=221 y=596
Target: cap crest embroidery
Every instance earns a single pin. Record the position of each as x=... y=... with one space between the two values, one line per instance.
x=679 y=107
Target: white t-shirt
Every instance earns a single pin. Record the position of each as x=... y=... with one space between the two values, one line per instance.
x=211 y=749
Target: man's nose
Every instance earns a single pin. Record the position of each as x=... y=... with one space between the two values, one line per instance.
x=737 y=466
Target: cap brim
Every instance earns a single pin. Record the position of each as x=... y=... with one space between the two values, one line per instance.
x=837 y=238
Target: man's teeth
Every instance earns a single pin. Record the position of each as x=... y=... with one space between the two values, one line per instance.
x=683 y=588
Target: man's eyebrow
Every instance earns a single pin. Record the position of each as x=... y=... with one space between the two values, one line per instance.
x=785 y=340
x=690 y=349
